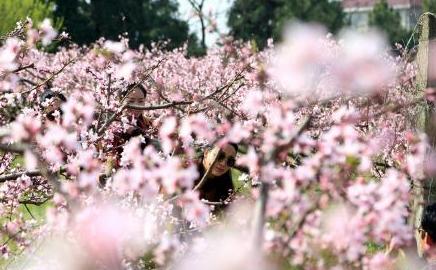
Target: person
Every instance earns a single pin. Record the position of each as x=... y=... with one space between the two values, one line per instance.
x=54 y=100
x=135 y=94
x=215 y=183
x=427 y=232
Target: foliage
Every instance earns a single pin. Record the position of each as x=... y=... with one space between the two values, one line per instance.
x=429 y=6
x=250 y=21
x=387 y=19
x=12 y=11
x=144 y=22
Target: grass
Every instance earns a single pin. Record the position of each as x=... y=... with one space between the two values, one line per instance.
x=26 y=212
x=241 y=187
x=32 y=212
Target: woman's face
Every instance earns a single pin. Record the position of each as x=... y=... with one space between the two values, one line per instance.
x=221 y=166
x=137 y=98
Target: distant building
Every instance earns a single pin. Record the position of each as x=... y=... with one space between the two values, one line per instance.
x=357 y=11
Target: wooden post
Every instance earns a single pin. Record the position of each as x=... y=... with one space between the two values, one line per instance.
x=424 y=192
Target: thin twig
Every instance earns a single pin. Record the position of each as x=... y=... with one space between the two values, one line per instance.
x=206 y=174
x=37 y=203
x=301 y=129
x=50 y=78
x=28 y=81
x=111 y=119
x=32 y=65
x=226 y=86
x=302 y=221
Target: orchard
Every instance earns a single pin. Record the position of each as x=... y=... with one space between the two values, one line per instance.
x=101 y=147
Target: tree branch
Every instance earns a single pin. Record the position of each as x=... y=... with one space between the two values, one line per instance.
x=32 y=65
x=14 y=176
x=51 y=77
x=15 y=148
x=284 y=147
x=198 y=7
x=110 y=120
x=159 y=107
x=37 y=203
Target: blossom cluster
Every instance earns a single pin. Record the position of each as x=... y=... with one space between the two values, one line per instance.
x=323 y=125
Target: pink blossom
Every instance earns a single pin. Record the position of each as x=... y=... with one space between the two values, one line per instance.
x=12 y=227
x=125 y=70
x=48 y=32
x=250 y=160
x=25 y=181
x=115 y=47
x=30 y=160
x=25 y=127
x=166 y=131
x=322 y=176
x=78 y=110
x=194 y=210
x=380 y=261
x=198 y=125
x=253 y=103
x=105 y=231
x=361 y=68
x=175 y=177
x=8 y=54
x=238 y=133
x=350 y=240
x=301 y=59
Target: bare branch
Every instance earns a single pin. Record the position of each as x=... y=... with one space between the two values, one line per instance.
x=15 y=148
x=51 y=77
x=159 y=107
x=32 y=65
x=301 y=222
x=284 y=147
x=111 y=119
x=198 y=7
x=28 y=81
x=38 y=203
x=13 y=176
x=237 y=78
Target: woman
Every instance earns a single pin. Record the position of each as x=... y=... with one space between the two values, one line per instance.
x=215 y=182
x=135 y=94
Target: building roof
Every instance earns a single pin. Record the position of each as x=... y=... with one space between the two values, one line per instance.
x=370 y=3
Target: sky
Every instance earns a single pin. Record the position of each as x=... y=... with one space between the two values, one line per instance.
x=218 y=7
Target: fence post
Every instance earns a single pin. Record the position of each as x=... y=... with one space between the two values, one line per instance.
x=424 y=192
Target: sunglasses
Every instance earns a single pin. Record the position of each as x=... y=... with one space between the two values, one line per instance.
x=230 y=159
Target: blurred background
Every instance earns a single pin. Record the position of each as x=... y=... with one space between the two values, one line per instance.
x=201 y=23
